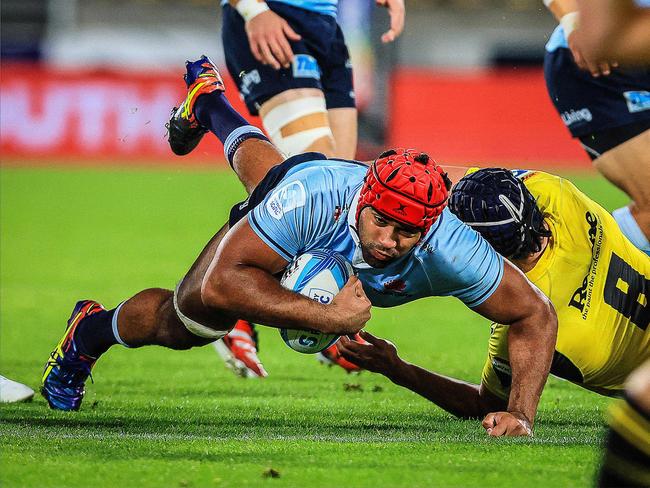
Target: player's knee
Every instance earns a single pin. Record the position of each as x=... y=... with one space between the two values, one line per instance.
x=300 y=125
x=181 y=331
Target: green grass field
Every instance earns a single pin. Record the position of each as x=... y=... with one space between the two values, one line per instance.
x=156 y=417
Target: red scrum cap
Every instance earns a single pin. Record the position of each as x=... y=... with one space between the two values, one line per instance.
x=406 y=186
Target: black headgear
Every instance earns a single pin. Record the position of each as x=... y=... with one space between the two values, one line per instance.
x=499 y=207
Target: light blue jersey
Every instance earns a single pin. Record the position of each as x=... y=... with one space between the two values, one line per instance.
x=326 y=7
x=314 y=207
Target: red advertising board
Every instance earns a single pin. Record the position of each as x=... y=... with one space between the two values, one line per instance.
x=500 y=117
x=78 y=116
x=72 y=116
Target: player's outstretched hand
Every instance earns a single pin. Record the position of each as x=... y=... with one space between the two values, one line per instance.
x=507 y=424
x=350 y=309
x=376 y=355
x=396 y=12
x=596 y=68
x=269 y=36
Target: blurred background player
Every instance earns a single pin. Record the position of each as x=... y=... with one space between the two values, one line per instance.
x=292 y=68
x=12 y=391
x=572 y=249
x=608 y=110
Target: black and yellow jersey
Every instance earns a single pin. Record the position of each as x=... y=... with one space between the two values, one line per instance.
x=599 y=284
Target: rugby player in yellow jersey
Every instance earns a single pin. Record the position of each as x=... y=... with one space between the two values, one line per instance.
x=573 y=250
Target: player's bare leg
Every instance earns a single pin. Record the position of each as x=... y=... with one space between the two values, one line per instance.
x=343 y=122
x=253 y=160
x=151 y=318
x=628 y=167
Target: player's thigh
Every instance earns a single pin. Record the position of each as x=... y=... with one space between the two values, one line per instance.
x=343 y=122
x=257 y=82
x=628 y=167
x=297 y=122
x=188 y=292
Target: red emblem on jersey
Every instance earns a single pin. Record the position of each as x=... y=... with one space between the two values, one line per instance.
x=337 y=213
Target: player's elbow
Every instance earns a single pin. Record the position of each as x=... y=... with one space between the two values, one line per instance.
x=548 y=317
x=540 y=319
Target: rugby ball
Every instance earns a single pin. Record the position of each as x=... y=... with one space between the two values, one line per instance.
x=320 y=275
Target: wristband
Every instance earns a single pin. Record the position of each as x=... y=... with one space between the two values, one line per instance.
x=569 y=23
x=251 y=8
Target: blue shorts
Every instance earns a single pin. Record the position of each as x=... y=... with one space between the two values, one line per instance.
x=321 y=59
x=268 y=183
x=589 y=105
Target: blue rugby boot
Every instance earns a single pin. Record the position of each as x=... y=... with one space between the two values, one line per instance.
x=184 y=132
x=67 y=369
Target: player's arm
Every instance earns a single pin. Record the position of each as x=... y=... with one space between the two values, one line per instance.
x=460 y=398
x=240 y=282
x=269 y=35
x=531 y=337
x=566 y=13
x=615 y=28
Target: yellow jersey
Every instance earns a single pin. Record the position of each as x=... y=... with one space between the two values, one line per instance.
x=599 y=284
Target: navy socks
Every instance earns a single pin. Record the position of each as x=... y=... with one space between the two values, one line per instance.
x=214 y=112
x=94 y=334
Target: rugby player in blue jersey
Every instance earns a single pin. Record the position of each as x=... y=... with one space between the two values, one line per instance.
x=291 y=65
x=292 y=68
x=388 y=219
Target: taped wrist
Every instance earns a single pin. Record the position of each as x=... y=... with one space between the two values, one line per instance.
x=569 y=23
x=251 y=8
